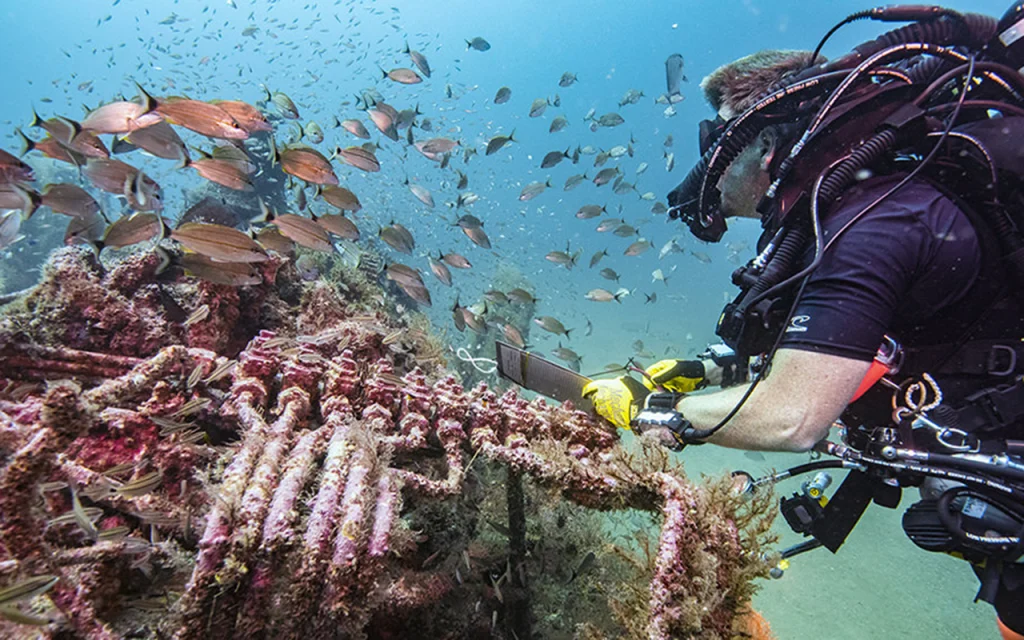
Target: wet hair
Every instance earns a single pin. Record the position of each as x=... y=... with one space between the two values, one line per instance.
x=733 y=88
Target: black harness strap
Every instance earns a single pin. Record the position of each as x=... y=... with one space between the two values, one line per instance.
x=992 y=409
x=1000 y=358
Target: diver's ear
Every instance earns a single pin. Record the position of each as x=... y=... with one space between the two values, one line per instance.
x=768 y=145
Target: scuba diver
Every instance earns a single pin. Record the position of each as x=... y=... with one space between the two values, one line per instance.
x=881 y=323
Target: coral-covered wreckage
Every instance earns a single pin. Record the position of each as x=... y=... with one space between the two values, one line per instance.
x=295 y=460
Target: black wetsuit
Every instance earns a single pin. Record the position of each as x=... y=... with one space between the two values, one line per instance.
x=910 y=268
x=897 y=269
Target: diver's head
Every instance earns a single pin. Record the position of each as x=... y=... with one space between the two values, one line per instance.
x=748 y=177
x=732 y=89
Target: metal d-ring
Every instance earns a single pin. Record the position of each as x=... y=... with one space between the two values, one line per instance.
x=942 y=436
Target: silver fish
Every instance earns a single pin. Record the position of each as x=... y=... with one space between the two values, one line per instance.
x=589 y=211
x=10 y=227
x=574 y=181
x=552 y=158
x=422 y=194
x=674 y=74
x=637 y=248
x=418 y=59
x=672 y=246
x=551 y=325
x=610 y=120
x=533 y=190
x=601 y=295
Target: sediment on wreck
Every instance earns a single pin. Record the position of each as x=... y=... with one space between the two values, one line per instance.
x=331 y=479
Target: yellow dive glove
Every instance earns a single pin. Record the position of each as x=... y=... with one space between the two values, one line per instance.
x=680 y=376
x=617 y=400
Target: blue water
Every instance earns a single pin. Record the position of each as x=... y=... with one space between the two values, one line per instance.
x=322 y=53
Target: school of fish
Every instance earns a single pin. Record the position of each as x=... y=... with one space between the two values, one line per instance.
x=182 y=126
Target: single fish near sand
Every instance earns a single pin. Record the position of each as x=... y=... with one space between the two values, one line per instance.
x=551 y=325
x=602 y=295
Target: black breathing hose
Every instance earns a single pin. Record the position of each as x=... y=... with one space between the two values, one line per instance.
x=729 y=147
x=779 y=266
x=970 y=29
x=1012 y=491
x=801 y=469
x=853 y=17
x=841 y=177
x=937 y=26
x=845 y=174
x=925 y=68
x=1009 y=80
x=953 y=523
x=922 y=15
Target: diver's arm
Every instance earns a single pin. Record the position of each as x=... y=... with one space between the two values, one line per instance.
x=790 y=410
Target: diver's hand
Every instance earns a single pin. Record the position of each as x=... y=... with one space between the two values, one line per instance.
x=616 y=400
x=681 y=376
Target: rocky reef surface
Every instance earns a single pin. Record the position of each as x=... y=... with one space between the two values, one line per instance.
x=295 y=460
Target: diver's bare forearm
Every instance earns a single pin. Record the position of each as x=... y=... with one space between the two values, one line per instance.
x=753 y=427
x=790 y=410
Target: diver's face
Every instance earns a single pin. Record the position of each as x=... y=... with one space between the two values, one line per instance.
x=745 y=182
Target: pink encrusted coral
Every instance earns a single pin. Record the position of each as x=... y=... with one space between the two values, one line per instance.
x=299 y=523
